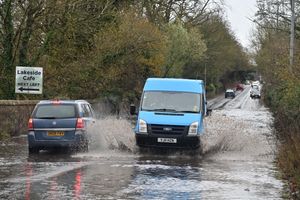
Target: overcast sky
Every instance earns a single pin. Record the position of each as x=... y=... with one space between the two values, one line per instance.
x=238 y=12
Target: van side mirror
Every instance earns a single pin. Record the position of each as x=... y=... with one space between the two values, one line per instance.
x=208 y=111
x=132 y=109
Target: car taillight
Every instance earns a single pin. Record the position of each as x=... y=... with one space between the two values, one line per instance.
x=56 y=102
x=30 y=123
x=80 y=123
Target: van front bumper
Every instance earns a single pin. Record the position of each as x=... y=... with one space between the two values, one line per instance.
x=191 y=142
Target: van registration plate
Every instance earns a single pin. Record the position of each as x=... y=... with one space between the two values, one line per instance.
x=167 y=140
x=56 y=133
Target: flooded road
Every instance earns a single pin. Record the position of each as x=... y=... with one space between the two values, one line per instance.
x=237 y=163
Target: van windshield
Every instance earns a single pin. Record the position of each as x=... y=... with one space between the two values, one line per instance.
x=171 y=102
x=50 y=111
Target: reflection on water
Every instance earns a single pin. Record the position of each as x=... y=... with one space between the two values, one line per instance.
x=165 y=176
x=60 y=186
x=53 y=156
x=170 y=177
x=77 y=185
x=28 y=180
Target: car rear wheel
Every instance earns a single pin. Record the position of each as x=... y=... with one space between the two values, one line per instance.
x=33 y=150
x=85 y=146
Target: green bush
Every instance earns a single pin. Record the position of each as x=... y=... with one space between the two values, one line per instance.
x=284 y=100
x=211 y=88
x=4 y=135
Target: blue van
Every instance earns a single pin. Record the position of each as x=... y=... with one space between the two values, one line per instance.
x=171 y=113
x=60 y=123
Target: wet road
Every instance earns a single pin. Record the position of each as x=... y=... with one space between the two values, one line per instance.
x=237 y=163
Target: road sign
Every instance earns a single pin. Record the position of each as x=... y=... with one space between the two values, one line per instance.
x=29 y=80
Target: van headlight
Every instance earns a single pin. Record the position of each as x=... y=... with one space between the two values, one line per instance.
x=142 y=126
x=193 y=129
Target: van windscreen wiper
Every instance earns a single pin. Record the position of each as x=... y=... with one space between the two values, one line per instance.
x=187 y=111
x=164 y=110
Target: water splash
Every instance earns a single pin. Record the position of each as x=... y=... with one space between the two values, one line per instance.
x=242 y=132
x=232 y=133
x=111 y=133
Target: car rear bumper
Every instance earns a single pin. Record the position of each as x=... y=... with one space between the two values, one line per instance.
x=229 y=96
x=181 y=142
x=45 y=144
x=255 y=96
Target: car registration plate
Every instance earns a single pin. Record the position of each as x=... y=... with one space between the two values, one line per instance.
x=56 y=133
x=167 y=140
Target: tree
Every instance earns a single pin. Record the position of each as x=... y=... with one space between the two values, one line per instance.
x=275 y=14
x=195 y=12
x=223 y=56
x=127 y=52
x=184 y=46
x=70 y=27
x=7 y=34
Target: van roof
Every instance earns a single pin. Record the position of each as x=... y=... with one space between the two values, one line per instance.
x=174 y=84
x=62 y=101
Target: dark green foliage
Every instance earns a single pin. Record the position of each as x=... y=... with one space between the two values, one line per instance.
x=6 y=50
x=90 y=48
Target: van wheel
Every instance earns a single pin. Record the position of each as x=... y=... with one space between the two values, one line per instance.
x=199 y=148
x=33 y=150
x=139 y=142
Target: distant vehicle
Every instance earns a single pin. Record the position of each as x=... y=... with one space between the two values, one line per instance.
x=229 y=93
x=255 y=92
x=239 y=87
x=247 y=82
x=171 y=113
x=255 y=83
x=60 y=123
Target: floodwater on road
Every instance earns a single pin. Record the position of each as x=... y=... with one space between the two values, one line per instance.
x=238 y=162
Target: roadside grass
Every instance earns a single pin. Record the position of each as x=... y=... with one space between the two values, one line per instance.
x=289 y=161
x=283 y=98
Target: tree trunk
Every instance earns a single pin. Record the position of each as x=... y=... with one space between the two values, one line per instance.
x=7 y=56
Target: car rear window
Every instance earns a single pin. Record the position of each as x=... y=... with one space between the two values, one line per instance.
x=55 y=111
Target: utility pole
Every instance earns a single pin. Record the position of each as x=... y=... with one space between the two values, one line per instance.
x=292 y=39
x=205 y=75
